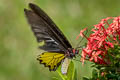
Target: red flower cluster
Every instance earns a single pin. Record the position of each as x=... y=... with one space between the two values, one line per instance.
x=105 y=35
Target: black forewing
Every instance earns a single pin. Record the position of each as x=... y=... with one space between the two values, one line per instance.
x=42 y=32
x=45 y=29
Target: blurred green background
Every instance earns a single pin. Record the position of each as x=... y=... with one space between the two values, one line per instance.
x=18 y=46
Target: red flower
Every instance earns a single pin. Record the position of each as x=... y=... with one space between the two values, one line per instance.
x=104 y=36
x=81 y=33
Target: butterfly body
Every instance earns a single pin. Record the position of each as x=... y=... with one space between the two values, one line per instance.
x=56 y=45
x=71 y=52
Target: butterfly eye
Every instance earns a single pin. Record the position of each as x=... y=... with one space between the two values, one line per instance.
x=76 y=51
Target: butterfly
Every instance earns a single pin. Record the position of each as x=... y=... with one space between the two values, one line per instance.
x=56 y=46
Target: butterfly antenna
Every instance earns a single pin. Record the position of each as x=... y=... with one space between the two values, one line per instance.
x=81 y=40
x=79 y=43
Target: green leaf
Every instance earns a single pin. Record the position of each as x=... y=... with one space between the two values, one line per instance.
x=55 y=78
x=75 y=75
x=85 y=78
x=71 y=71
x=94 y=73
x=64 y=77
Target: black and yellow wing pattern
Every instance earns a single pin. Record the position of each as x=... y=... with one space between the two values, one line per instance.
x=45 y=30
x=51 y=59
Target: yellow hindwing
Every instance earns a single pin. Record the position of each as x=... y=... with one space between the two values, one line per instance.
x=51 y=59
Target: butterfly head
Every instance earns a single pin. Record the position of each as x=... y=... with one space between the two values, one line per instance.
x=72 y=52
